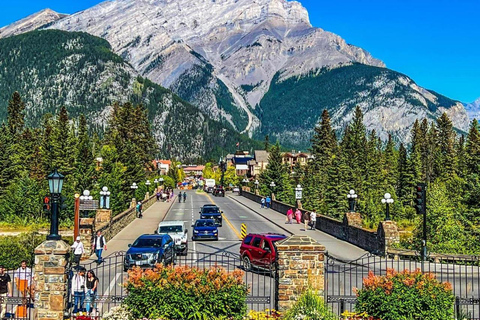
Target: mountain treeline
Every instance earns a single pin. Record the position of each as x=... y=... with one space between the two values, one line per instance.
x=29 y=155
x=447 y=163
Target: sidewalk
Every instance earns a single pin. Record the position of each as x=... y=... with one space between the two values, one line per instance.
x=151 y=218
x=337 y=248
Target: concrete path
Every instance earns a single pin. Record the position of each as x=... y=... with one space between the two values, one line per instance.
x=337 y=248
x=151 y=218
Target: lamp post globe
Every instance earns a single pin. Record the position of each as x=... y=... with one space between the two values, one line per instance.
x=387 y=199
x=352 y=196
x=55 y=184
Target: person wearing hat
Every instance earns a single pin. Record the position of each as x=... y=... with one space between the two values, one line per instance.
x=78 y=250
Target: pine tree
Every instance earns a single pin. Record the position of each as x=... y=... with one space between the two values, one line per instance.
x=16 y=117
x=445 y=157
x=275 y=172
x=461 y=157
x=84 y=159
x=391 y=163
x=473 y=149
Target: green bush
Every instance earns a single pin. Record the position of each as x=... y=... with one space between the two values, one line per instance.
x=14 y=249
x=405 y=296
x=186 y=293
x=310 y=306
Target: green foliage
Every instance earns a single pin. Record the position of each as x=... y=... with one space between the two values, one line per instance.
x=310 y=305
x=14 y=249
x=405 y=296
x=186 y=293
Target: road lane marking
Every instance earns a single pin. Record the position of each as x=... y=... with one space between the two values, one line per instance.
x=226 y=220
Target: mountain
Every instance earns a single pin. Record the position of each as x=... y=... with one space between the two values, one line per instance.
x=473 y=109
x=30 y=23
x=229 y=57
x=79 y=71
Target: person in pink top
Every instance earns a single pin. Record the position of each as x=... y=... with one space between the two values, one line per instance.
x=298 y=216
x=289 y=215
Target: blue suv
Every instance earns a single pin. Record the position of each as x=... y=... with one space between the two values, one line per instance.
x=211 y=211
x=148 y=250
x=205 y=229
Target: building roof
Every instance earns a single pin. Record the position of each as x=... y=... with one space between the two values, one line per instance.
x=261 y=155
x=193 y=168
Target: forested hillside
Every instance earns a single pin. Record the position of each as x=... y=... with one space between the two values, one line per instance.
x=388 y=99
x=54 y=68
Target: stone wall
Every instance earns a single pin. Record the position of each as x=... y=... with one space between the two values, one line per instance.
x=350 y=229
x=300 y=266
x=50 y=277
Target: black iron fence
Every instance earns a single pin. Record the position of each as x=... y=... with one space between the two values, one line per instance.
x=110 y=292
x=18 y=300
x=341 y=277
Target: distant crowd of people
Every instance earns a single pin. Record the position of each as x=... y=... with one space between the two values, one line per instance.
x=309 y=218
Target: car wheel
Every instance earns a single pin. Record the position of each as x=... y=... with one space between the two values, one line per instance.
x=247 y=264
x=125 y=269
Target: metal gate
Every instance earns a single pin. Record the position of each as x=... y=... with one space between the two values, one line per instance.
x=341 y=277
x=20 y=305
x=262 y=284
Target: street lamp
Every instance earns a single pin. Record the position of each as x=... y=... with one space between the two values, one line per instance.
x=105 y=198
x=223 y=168
x=272 y=185
x=55 y=184
x=256 y=185
x=86 y=196
x=161 y=181
x=298 y=192
x=387 y=199
x=351 y=200
x=134 y=187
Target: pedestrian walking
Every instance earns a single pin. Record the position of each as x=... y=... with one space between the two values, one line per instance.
x=23 y=280
x=262 y=201
x=158 y=196
x=78 y=291
x=92 y=284
x=139 y=209
x=268 y=201
x=184 y=196
x=306 y=219
x=78 y=250
x=180 y=197
x=5 y=290
x=289 y=215
x=313 y=219
x=298 y=215
x=99 y=244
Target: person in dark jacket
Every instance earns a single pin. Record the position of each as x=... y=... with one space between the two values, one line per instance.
x=99 y=244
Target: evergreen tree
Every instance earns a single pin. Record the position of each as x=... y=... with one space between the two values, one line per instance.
x=84 y=159
x=16 y=117
x=267 y=143
x=473 y=149
x=445 y=157
x=461 y=156
x=275 y=172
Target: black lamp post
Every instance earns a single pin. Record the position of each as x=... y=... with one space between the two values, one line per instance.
x=387 y=199
x=256 y=186
x=134 y=187
x=273 y=185
x=161 y=181
x=351 y=200
x=55 y=184
x=148 y=183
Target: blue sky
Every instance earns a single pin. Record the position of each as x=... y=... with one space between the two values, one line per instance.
x=435 y=42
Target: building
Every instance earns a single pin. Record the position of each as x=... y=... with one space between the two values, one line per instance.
x=291 y=158
x=240 y=160
x=258 y=163
x=196 y=171
x=162 y=166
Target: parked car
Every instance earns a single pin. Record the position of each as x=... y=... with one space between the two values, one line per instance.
x=205 y=229
x=148 y=250
x=178 y=232
x=210 y=211
x=236 y=189
x=259 y=251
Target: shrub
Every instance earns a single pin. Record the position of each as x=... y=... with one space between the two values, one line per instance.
x=310 y=306
x=118 y=313
x=262 y=315
x=406 y=296
x=14 y=249
x=186 y=293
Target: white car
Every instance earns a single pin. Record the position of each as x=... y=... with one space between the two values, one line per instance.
x=178 y=232
x=236 y=189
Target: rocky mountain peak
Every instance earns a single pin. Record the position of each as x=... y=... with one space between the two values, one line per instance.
x=473 y=109
x=30 y=23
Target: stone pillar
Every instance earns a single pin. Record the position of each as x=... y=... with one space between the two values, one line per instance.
x=87 y=232
x=103 y=216
x=353 y=219
x=300 y=266
x=388 y=234
x=147 y=195
x=51 y=280
x=133 y=203
x=299 y=204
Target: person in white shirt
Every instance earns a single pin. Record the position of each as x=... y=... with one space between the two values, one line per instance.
x=78 y=290
x=313 y=219
x=78 y=250
x=23 y=280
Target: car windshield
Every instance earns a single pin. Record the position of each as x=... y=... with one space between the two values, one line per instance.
x=204 y=224
x=170 y=229
x=147 y=243
x=210 y=210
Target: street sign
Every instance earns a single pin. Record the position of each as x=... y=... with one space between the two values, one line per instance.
x=244 y=230
x=88 y=205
